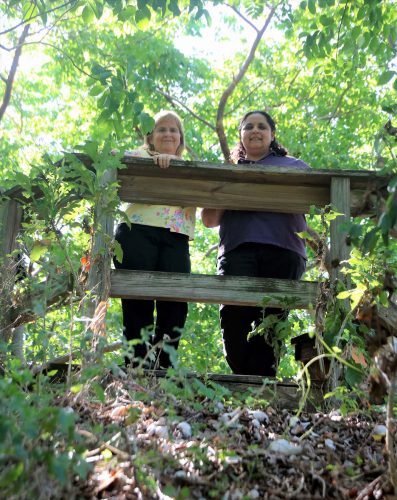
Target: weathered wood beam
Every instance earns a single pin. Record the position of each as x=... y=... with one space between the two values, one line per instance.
x=360 y=179
x=238 y=187
x=223 y=194
x=225 y=186
x=284 y=394
x=388 y=316
x=98 y=283
x=233 y=290
x=10 y=223
x=340 y=202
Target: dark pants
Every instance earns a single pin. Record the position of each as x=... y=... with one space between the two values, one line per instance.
x=149 y=248
x=254 y=357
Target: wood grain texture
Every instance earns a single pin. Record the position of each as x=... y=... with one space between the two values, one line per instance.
x=339 y=250
x=10 y=223
x=234 y=290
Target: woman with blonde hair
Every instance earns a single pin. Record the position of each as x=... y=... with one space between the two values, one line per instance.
x=158 y=240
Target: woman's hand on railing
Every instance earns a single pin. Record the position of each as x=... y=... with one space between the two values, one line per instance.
x=163 y=160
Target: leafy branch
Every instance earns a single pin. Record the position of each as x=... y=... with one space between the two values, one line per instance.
x=233 y=84
x=27 y=21
x=172 y=100
x=11 y=75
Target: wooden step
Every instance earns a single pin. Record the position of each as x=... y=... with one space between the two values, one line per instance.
x=284 y=394
x=231 y=290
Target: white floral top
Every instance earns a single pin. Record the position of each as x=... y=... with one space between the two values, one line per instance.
x=177 y=219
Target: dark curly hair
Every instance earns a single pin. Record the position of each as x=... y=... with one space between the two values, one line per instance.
x=239 y=152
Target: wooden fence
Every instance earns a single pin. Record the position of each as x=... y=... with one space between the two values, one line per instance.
x=240 y=187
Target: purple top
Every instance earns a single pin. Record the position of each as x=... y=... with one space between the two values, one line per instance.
x=271 y=228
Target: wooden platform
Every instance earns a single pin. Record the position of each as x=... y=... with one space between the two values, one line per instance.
x=203 y=184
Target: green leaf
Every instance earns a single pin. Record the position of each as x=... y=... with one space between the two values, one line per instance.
x=370 y=240
x=305 y=235
x=127 y=14
x=118 y=126
x=11 y=475
x=385 y=222
x=29 y=10
x=66 y=420
x=105 y=115
x=356 y=297
x=311 y=4
x=325 y=20
x=362 y=13
x=147 y=123
x=138 y=108
x=384 y=298
x=99 y=392
x=88 y=14
x=107 y=454
x=98 y=8
x=76 y=388
x=96 y=90
x=59 y=467
x=142 y=14
x=173 y=7
x=354 y=377
x=37 y=252
x=393 y=183
x=118 y=251
x=385 y=77
x=203 y=389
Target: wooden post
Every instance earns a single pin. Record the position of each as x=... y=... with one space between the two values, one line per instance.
x=98 y=283
x=340 y=251
x=10 y=223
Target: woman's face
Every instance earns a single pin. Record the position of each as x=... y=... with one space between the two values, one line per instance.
x=166 y=137
x=256 y=136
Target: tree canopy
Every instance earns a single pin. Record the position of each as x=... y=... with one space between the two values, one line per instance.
x=89 y=75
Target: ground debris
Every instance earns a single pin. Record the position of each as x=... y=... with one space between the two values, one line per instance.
x=161 y=447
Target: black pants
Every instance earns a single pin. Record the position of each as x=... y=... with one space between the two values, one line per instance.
x=254 y=357
x=149 y=248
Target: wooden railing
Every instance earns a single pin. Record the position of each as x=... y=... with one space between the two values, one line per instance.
x=241 y=187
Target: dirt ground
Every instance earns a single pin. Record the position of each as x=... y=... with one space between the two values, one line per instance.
x=180 y=439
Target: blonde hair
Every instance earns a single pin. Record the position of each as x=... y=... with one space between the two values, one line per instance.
x=157 y=118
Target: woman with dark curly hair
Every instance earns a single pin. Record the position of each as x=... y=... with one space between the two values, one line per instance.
x=259 y=244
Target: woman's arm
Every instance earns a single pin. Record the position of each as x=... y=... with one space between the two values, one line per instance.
x=212 y=217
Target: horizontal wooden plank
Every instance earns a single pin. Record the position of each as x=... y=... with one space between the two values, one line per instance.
x=283 y=394
x=360 y=179
x=222 y=194
x=238 y=187
x=254 y=172
x=232 y=290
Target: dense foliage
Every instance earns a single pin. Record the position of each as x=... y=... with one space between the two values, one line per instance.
x=88 y=76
